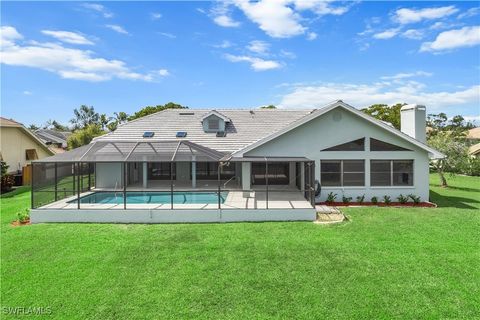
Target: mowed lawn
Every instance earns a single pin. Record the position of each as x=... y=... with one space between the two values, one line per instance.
x=413 y=263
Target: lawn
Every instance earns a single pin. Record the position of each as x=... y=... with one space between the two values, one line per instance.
x=383 y=263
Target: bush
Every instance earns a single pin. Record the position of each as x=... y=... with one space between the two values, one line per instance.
x=402 y=199
x=6 y=183
x=473 y=168
x=331 y=197
x=23 y=216
x=361 y=198
x=374 y=200
x=387 y=199
x=415 y=199
x=346 y=199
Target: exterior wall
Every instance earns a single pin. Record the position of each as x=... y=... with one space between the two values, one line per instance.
x=13 y=143
x=339 y=126
x=108 y=175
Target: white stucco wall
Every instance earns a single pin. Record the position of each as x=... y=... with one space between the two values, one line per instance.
x=108 y=175
x=339 y=126
x=13 y=144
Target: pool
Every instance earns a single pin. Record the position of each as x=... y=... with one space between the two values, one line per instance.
x=154 y=197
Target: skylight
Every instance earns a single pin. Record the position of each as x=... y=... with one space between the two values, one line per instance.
x=148 y=134
x=181 y=134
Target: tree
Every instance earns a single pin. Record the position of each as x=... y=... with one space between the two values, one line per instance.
x=270 y=106
x=33 y=127
x=55 y=125
x=84 y=136
x=153 y=109
x=84 y=116
x=455 y=149
x=385 y=113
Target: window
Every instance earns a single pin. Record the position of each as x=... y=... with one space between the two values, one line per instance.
x=278 y=173
x=391 y=173
x=355 y=145
x=213 y=124
x=346 y=173
x=31 y=154
x=378 y=145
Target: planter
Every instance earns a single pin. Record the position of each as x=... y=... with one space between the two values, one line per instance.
x=379 y=204
x=17 y=223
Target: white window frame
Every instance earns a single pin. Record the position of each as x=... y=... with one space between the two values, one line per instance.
x=342 y=172
x=391 y=174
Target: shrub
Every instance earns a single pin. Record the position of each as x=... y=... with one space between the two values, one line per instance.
x=346 y=199
x=415 y=199
x=387 y=199
x=6 y=183
x=402 y=199
x=374 y=200
x=23 y=216
x=361 y=198
x=331 y=197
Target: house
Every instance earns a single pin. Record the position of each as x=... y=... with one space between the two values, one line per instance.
x=56 y=140
x=474 y=151
x=234 y=165
x=473 y=135
x=19 y=146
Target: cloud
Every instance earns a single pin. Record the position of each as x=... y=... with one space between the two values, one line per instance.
x=168 y=35
x=469 y=13
x=453 y=39
x=362 y=95
x=68 y=37
x=277 y=18
x=117 y=28
x=98 y=8
x=256 y=64
x=413 y=34
x=387 y=34
x=311 y=36
x=259 y=47
x=163 y=72
x=155 y=15
x=224 y=45
x=405 y=15
x=399 y=76
x=27 y=93
x=287 y=54
x=66 y=62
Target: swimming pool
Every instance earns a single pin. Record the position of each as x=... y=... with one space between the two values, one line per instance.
x=154 y=197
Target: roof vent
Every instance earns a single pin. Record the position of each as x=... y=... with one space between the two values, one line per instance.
x=187 y=113
x=181 y=134
x=148 y=134
x=221 y=134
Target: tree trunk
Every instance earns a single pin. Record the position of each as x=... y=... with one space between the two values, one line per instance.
x=442 y=179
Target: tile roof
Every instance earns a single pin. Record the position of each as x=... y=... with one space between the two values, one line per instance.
x=9 y=122
x=245 y=128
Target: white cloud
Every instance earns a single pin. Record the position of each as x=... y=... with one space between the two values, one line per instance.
x=400 y=76
x=256 y=64
x=259 y=47
x=387 y=34
x=287 y=54
x=27 y=93
x=472 y=118
x=405 y=15
x=68 y=37
x=68 y=63
x=452 y=39
x=117 y=28
x=321 y=7
x=224 y=45
x=362 y=95
x=311 y=36
x=413 y=34
x=168 y=35
x=98 y=8
x=226 y=21
x=469 y=13
x=163 y=72
x=155 y=15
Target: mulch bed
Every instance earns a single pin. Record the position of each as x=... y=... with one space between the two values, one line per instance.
x=380 y=204
x=17 y=223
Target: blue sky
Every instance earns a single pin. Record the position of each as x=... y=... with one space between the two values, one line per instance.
x=121 y=56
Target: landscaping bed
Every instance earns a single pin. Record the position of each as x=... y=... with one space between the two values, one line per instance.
x=379 y=204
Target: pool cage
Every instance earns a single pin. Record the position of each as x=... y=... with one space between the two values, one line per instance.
x=69 y=177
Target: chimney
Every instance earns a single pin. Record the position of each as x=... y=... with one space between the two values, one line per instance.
x=412 y=121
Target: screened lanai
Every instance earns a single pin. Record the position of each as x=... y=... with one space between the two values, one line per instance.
x=160 y=174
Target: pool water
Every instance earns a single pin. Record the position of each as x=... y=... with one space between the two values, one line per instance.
x=154 y=197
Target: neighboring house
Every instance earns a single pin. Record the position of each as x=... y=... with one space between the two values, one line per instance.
x=473 y=135
x=237 y=165
x=474 y=151
x=19 y=146
x=56 y=140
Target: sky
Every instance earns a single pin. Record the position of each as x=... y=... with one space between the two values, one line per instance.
x=122 y=56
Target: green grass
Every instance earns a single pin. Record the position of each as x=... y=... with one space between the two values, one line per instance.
x=413 y=263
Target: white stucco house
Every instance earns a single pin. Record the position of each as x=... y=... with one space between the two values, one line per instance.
x=192 y=165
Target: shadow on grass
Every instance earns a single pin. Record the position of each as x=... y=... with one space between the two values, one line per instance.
x=15 y=192
x=444 y=201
